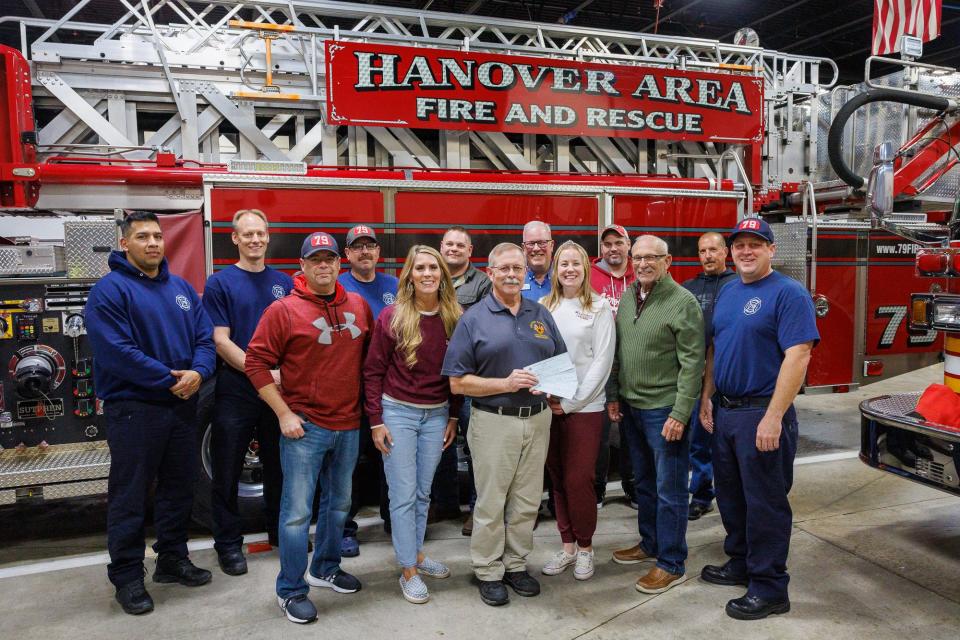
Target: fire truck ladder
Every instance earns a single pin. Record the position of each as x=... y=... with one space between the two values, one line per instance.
x=137 y=85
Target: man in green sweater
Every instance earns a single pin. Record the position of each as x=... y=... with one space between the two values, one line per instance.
x=657 y=372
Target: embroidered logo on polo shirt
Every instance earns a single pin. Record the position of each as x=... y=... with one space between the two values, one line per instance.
x=388 y=298
x=752 y=306
x=539 y=330
x=277 y=291
x=183 y=302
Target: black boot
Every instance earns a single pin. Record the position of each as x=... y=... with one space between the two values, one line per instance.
x=171 y=568
x=134 y=599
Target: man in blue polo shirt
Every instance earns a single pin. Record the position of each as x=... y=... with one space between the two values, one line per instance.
x=763 y=331
x=378 y=290
x=538 y=249
x=235 y=298
x=509 y=426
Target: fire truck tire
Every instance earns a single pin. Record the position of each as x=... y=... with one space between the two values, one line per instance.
x=250 y=499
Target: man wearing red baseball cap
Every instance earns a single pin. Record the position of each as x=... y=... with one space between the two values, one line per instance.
x=319 y=327
x=762 y=333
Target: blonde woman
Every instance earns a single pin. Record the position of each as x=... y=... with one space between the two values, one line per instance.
x=412 y=412
x=585 y=321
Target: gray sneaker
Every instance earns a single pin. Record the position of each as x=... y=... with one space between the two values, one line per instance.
x=558 y=563
x=414 y=590
x=584 y=567
x=433 y=568
x=298 y=608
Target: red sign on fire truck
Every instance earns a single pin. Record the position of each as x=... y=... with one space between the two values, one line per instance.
x=386 y=86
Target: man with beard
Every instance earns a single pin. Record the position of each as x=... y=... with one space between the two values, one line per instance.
x=472 y=285
x=610 y=275
x=538 y=249
x=712 y=251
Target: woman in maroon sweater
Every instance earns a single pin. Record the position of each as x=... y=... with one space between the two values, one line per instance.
x=412 y=413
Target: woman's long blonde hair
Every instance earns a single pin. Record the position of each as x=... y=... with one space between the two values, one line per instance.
x=405 y=324
x=585 y=294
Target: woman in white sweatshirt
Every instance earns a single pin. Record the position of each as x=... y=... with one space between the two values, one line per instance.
x=586 y=323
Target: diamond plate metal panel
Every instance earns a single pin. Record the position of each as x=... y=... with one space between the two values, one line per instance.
x=58 y=464
x=791 y=256
x=31 y=260
x=85 y=241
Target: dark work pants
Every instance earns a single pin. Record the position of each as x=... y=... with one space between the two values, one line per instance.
x=239 y=417
x=374 y=466
x=701 y=460
x=752 y=488
x=445 y=491
x=603 y=459
x=148 y=442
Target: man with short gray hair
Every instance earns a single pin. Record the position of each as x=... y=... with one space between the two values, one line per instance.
x=657 y=371
x=509 y=425
x=538 y=248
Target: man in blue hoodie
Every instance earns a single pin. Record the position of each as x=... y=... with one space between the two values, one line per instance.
x=153 y=346
x=712 y=251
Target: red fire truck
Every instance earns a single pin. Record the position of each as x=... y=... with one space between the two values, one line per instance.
x=476 y=122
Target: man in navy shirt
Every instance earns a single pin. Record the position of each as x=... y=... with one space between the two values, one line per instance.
x=712 y=252
x=379 y=290
x=538 y=249
x=509 y=426
x=763 y=331
x=235 y=298
x=153 y=346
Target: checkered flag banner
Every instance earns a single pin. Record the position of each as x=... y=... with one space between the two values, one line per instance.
x=895 y=18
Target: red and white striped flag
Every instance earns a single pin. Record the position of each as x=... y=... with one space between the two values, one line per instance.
x=894 y=18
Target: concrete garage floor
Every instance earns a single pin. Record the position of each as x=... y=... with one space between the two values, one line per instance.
x=872 y=556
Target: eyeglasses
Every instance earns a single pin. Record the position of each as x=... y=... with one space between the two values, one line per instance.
x=507 y=269
x=651 y=259
x=537 y=244
x=369 y=246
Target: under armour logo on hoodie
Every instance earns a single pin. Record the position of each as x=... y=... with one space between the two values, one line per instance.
x=326 y=330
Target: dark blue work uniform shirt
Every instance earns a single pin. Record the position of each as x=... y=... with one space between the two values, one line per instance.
x=491 y=342
x=753 y=325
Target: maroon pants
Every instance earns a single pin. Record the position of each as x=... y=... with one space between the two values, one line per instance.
x=572 y=463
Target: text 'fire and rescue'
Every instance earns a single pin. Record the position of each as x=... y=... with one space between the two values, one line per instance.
x=381 y=72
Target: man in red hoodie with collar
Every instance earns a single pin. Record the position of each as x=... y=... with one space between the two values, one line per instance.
x=317 y=336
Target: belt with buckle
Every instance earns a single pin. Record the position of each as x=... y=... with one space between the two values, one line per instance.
x=744 y=402
x=519 y=412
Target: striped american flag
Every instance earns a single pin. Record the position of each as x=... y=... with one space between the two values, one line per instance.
x=894 y=18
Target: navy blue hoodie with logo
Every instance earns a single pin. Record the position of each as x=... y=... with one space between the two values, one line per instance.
x=141 y=328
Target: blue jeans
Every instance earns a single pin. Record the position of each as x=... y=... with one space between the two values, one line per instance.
x=331 y=456
x=660 y=486
x=701 y=461
x=417 y=444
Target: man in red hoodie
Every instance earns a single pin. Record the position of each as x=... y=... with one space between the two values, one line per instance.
x=317 y=336
x=610 y=276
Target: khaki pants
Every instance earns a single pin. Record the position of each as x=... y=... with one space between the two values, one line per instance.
x=508 y=458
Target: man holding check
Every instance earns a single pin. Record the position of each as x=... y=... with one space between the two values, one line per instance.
x=509 y=425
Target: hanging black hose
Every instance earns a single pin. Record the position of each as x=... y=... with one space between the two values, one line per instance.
x=835 y=137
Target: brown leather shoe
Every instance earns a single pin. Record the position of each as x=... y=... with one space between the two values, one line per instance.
x=633 y=555
x=657 y=581
x=467 y=529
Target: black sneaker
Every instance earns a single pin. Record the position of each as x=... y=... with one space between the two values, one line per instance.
x=134 y=599
x=522 y=583
x=697 y=509
x=232 y=562
x=493 y=593
x=298 y=608
x=171 y=568
x=341 y=582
